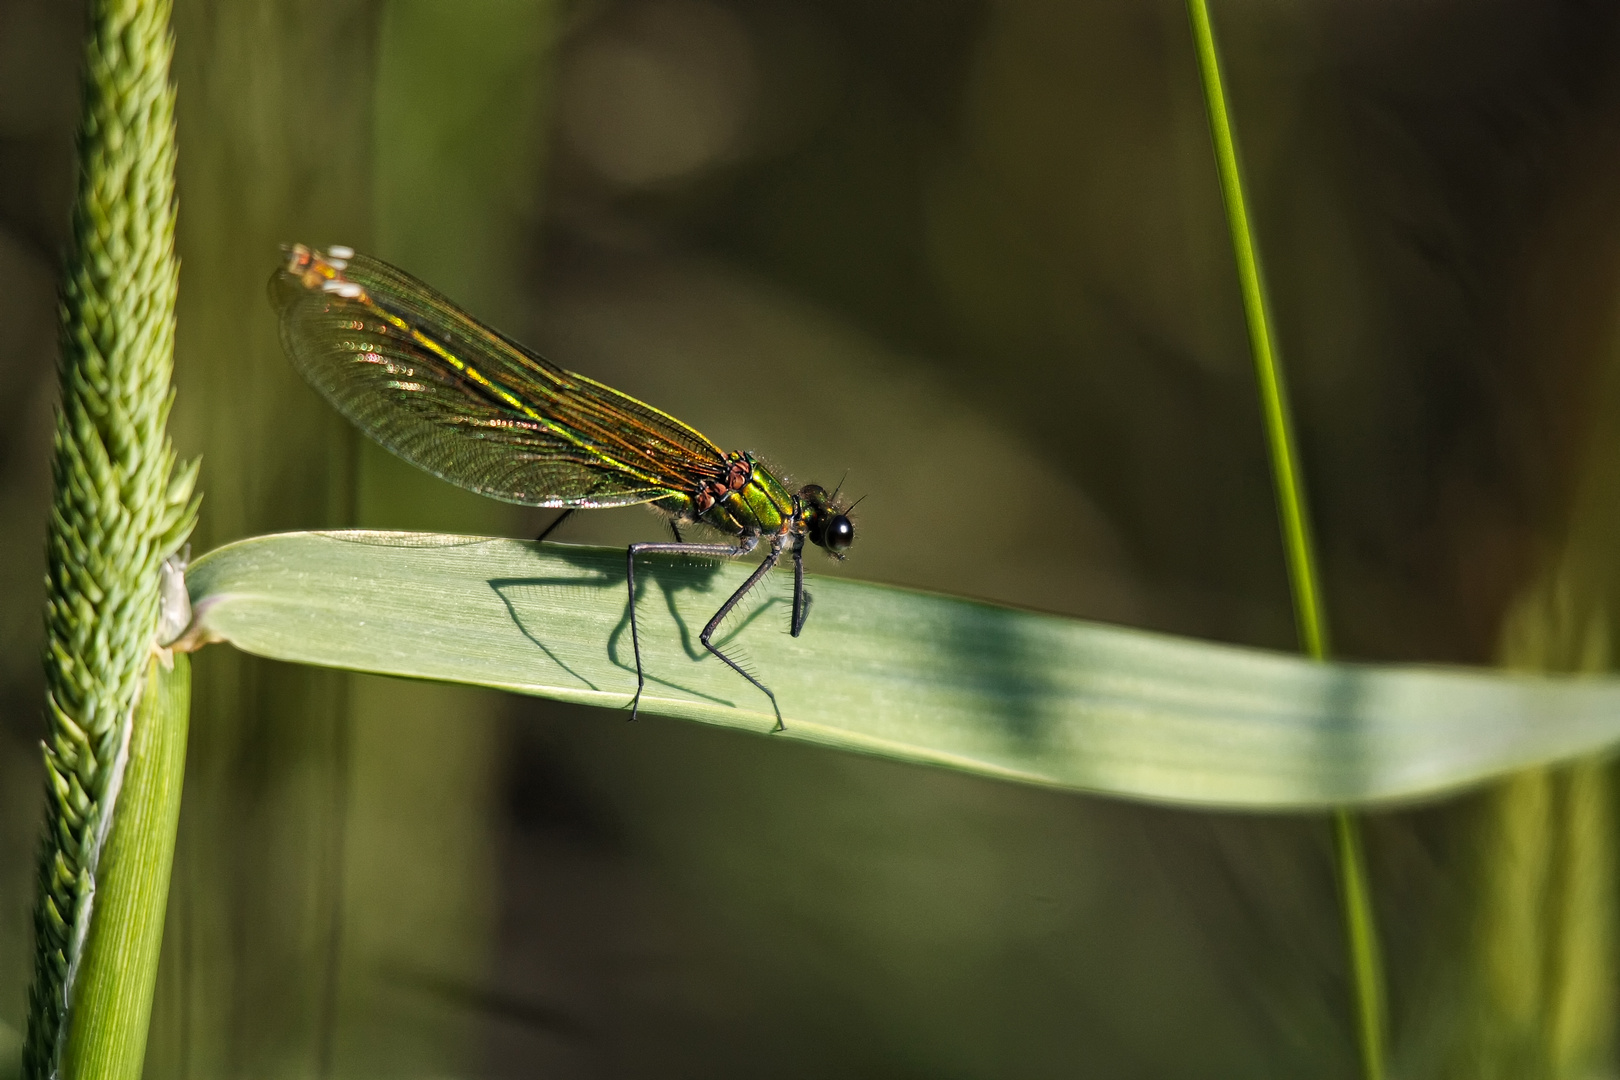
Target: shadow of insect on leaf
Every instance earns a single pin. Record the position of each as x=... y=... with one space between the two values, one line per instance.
x=503 y=588
x=599 y=570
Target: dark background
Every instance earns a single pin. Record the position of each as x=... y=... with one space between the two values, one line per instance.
x=973 y=254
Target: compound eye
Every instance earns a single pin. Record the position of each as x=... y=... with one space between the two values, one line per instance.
x=840 y=533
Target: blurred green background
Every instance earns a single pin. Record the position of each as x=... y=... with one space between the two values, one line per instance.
x=972 y=252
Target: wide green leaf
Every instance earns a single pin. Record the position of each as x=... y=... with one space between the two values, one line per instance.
x=913 y=676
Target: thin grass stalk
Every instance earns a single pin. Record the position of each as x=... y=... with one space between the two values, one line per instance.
x=1299 y=549
x=113 y=1003
x=120 y=507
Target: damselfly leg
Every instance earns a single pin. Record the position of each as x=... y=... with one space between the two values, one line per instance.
x=746 y=544
x=555 y=522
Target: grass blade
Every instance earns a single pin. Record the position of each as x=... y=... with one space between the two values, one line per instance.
x=912 y=676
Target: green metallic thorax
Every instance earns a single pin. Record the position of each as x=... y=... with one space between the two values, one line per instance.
x=748 y=500
x=762 y=504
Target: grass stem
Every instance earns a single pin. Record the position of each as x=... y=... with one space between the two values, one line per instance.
x=121 y=505
x=112 y=1008
x=1360 y=930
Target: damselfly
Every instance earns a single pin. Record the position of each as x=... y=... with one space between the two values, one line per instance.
x=470 y=405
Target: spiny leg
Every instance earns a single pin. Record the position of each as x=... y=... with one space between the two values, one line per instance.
x=556 y=521
x=744 y=545
x=725 y=609
x=800 y=610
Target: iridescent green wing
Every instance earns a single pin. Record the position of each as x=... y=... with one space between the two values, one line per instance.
x=466 y=403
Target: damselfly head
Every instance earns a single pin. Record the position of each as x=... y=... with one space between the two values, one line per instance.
x=826 y=520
